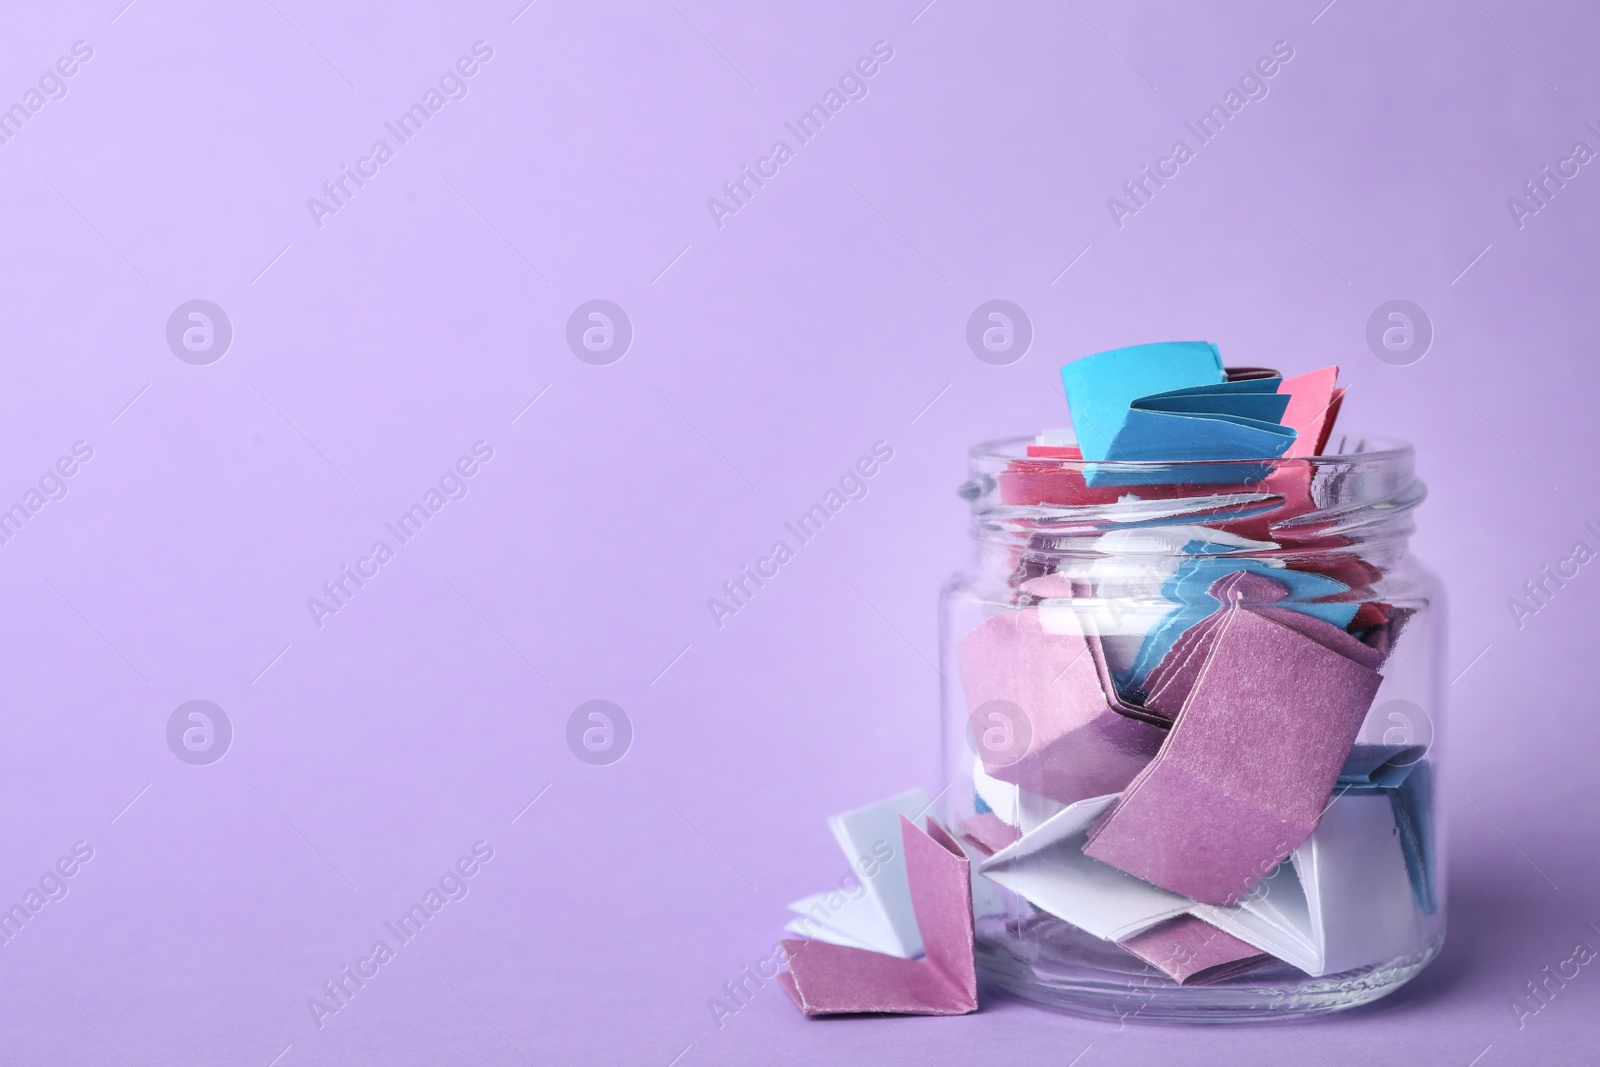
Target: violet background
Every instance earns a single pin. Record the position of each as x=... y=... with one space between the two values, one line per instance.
x=827 y=314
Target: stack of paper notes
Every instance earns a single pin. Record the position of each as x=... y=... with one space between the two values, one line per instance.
x=1165 y=726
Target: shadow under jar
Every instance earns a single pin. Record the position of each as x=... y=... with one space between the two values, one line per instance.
x=1191 y=715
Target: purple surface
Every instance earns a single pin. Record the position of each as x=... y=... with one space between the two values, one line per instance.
x=767 y=356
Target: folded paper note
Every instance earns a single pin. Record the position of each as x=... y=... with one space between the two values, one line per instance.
x=874 y=911
x=1038 y=716
x=1221 y=421
x=828 y=979
x=1117 y=591
x=1100 y=388
x=1247 y=767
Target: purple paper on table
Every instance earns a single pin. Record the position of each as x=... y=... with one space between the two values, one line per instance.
x=1248 y=765
x=1191 y=951
x=825 y=979
x=1039 y=717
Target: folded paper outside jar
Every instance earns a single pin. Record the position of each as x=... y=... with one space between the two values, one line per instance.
x=1191 y=951
x=1038 y=716
x=987 y=898
x=826 y=979
x=1247 y=767
x=875 y=914
x=1342 y=901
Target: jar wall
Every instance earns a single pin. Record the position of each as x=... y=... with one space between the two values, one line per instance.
x=1060 y=603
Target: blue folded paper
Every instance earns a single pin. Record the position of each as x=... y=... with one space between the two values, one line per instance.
x=1400 y=772
x=1370 y=768
x=1171 y=403
x=1101 y=388
x=1413 y=803
x=1189 y=587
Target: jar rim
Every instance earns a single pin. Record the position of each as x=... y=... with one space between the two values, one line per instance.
x=1352 y=448
x=1363 y=490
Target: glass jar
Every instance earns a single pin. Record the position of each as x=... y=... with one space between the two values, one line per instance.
x=1190 y=726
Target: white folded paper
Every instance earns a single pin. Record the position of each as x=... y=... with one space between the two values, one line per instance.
x=874 y=913
x=1344 y=900
x=1047 y=866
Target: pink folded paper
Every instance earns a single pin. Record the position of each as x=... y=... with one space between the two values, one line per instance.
x=826 y=979
x=1248 y=765
x=1193 y=952
x=1314 y=401
x=1070 y=744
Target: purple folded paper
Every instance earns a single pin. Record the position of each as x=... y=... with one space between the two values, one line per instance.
x=1249 y=763
x=1191 y=951
x=826 y=979
x=1169 y=682
x=1069 y=744
x=989 y=833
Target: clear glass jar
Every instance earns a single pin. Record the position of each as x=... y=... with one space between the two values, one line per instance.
x=1263 y=610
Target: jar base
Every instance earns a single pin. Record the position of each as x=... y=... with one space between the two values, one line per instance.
x=1114 y=987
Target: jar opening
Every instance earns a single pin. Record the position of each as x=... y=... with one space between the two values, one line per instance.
x=1044 y=498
